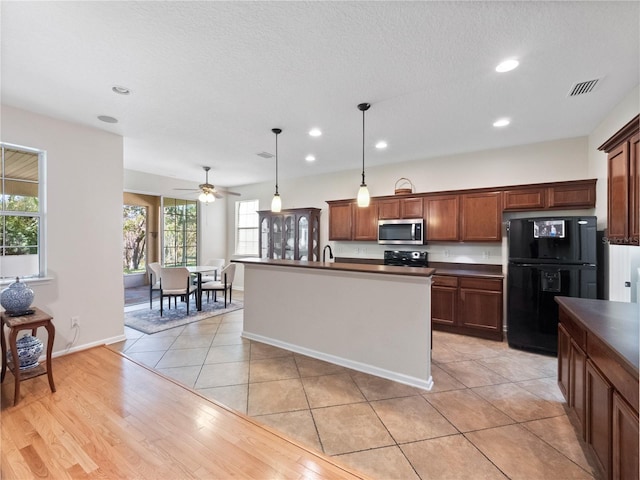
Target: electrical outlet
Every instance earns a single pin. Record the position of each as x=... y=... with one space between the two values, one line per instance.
x=75 y=322
x=446 y=253
x=485 y=254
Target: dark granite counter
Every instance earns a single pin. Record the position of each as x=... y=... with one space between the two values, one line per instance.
x=617 y=324
x=341 y=266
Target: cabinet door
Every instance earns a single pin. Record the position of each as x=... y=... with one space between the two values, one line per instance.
x=277 y=237
x=340 y=221
x=481 y=217
x=634 y=189
x=625 y=440
x=599 y=417
x=564 y=346
x=265 y=237
x=365 y=222
x=411 y=208
x=574 y=195
x=577 y=367
x=618 y=194
x=389 y=209
x=444 y=295
x=480 y=303
x=525 y=198
x=441 y=213
x=303 y=234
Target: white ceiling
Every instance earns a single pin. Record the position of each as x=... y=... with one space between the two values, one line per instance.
x=210 y=80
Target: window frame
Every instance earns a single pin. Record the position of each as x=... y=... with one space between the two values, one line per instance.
x=41 y=214
x=238 y=228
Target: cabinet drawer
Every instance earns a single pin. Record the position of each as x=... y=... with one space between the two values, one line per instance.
x=494 y=285
x=445 y=281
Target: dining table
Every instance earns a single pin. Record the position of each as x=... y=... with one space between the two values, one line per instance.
x=198 y=270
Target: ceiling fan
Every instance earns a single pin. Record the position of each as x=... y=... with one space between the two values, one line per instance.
x=208 y=192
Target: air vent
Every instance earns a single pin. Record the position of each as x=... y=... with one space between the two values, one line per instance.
x=265 y=155
x=583 y=87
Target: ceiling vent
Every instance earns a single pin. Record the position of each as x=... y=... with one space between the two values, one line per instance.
x=583 y=87
x=265 y=155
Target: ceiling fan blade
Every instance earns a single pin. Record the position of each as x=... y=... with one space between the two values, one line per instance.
x=227 y=192
x=188 y=189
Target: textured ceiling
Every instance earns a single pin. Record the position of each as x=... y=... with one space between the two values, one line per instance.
x=210 y=80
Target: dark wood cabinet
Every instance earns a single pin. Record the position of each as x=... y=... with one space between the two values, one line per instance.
x=623 y=184
x=365 y=222
x=290 y=234
x=525 y=198
x=598 y=376
x=389 y=209
x=598 y=416
x=340 y=221
x=411 y=207
x=467 y=305
x=578 y=194
x=625 y=446
x=481 y=217
x=441 y=212
x=392 y=208
x=480 y=303
x=444 y=297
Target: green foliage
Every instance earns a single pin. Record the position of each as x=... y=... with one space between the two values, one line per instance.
x=134 y=221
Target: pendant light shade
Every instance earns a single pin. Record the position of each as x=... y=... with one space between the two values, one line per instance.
x=363 y=193
x=276 y=203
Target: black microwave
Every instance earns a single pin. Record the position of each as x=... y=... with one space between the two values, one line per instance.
x=404 y=231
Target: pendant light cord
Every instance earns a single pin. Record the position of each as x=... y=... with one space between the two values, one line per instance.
x=363 y=147
x=276 y=163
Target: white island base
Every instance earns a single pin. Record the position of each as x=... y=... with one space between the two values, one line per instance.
x=375 y=321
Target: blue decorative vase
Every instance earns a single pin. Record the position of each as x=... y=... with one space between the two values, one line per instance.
x=17 y=297
x=29 y=350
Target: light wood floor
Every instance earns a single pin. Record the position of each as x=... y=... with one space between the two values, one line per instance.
x=114 y=418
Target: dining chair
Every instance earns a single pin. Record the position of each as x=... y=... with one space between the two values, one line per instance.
x=218 y=263
x=175 y=282
x=225 y=284
x=154 y=280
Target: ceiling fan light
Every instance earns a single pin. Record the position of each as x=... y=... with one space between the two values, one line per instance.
x=202 y=197
x=276 y=203
x=363 y=196
x=210 y=197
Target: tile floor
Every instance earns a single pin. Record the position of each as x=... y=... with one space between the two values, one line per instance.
x=493 y=412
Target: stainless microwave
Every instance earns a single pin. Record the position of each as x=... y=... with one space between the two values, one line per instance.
x=404 y=231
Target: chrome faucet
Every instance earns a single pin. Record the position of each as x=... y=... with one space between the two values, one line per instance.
x=324 y=251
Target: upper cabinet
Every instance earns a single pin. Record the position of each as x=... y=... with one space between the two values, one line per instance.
x=567 y=195
x=291 y=234
x=464 y=215
x=623 y=184
x=441 y=213
x=481 y=217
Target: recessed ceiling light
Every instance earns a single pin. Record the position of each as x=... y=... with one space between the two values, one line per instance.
x=381 y=144
x=503 y=122
x=121 y=90
x=507 y=65
x=107 y=119
x=310 y=158
x=315 y=132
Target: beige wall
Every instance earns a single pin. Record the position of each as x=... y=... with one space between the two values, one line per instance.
x=83 y=226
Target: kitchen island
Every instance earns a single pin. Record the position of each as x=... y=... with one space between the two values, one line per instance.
x=371 y=318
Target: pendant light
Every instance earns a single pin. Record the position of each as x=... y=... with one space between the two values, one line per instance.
x=276 y=203
x=363 y=192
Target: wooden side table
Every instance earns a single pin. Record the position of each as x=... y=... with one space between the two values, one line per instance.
x=27 y=322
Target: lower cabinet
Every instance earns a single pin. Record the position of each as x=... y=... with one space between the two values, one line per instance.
x=595 y=386
x=625 y=440
x=467 y=305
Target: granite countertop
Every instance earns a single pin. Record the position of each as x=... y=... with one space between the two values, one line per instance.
x=617 y=324
x=442 y=268
x=341 y=266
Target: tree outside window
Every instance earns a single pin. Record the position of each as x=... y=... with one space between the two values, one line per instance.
x=134 y=232
x=180 y=238
x=20 y=212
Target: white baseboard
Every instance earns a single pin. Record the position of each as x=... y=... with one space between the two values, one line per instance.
x=86 y=346
x=360 y=367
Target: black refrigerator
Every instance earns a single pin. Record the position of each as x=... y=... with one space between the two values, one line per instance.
x=548 y=256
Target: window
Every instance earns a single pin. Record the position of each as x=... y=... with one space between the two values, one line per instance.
x=180 y=239
x=21 y=212
x=134 y=236
x=247 y=227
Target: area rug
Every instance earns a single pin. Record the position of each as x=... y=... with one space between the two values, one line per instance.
x=149 y=321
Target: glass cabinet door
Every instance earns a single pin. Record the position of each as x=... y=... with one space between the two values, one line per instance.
x=315 y=248
x=276 y=237
x=303 y=238
x=289 y=237
x=264 y=238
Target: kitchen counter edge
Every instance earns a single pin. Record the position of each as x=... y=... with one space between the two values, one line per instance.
x=340 y=266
